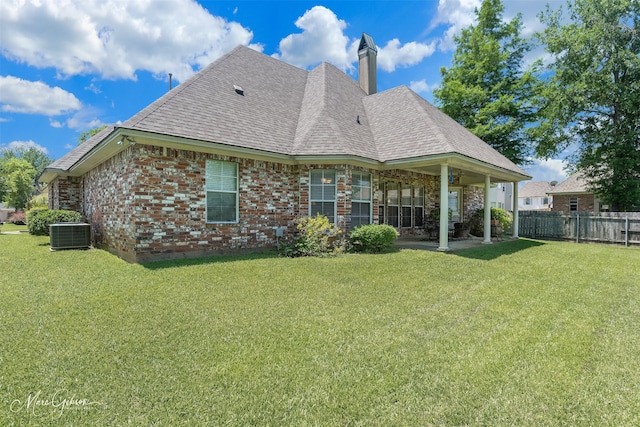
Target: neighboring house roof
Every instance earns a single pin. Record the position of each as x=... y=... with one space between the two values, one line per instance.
x=574 y=184
x=534 y=189
x=246 y=100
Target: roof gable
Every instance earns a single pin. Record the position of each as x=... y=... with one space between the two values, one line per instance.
x=332 y=117
x=573 y=184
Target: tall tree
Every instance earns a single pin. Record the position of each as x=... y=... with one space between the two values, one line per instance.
x=17 y=178
x=35 y=156
x=592 y=97
x=487 y=89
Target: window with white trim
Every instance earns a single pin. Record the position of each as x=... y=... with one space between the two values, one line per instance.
x=322 y=194
x=360 y=198
x=418 y=206
x=393 y=217
x=222 y=191
x=406 y=205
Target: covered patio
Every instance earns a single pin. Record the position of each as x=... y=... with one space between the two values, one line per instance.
x=422 y=243
x=459 y=172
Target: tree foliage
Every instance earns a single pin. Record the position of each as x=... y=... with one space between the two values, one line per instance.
x=17 y=176
x=84 y=136
x=35 y=156
x=592 y=95
x=486 y=88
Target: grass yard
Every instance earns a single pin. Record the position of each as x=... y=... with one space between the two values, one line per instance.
x=523 y=333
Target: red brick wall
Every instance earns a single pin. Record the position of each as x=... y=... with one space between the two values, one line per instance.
x=108 y=204
x=561 y=203
x=473 y=200
x=65 y=193
x=149 y=202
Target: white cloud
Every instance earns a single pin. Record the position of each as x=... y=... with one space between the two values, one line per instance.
x=23 y=96
x=27 y=145
x=421 y=86
x=393 y=54
x=118 y=37
x=456 y=14
x=547 y=170
x=83 y=120
x=93 y=88
x=322 y=39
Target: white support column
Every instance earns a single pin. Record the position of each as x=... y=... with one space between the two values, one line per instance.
x=444 y=208
x=487 y=210
x=516 y=216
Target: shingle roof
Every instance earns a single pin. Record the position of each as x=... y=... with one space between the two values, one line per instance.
x=535 y=189
x=71 y=158
x=286 y=110
x=573 y=184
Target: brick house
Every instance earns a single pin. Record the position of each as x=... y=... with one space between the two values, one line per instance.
x=572 y=195
x=234 y=155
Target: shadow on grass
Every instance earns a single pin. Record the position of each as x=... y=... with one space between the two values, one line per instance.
x=213 y=259
x=489 y=252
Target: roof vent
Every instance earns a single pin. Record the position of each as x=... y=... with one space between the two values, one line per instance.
x=238 y=90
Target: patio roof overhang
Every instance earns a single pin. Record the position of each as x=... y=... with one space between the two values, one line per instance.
x=466 y=170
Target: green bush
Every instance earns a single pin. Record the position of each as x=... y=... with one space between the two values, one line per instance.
x=317 y=236
x=39 y=219
x=373 y=238
x=476 y=222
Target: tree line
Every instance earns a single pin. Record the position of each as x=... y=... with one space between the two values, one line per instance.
x=584 y=96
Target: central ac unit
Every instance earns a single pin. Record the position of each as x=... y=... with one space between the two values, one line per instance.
x=70 y=235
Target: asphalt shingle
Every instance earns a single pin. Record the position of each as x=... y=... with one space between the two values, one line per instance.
x=286 y=110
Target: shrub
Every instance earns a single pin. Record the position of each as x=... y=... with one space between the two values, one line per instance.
x=17 y=218
x=39 y=201
x=373 y=237
x=476 y=222
x=317 y=236
x=39 y=219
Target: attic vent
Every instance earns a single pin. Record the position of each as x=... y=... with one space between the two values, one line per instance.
x=238 y=90
x=69 y=235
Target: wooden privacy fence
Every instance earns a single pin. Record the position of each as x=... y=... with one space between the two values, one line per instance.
x=605 y=227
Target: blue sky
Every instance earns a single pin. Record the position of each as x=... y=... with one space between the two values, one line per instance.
x=67 y=66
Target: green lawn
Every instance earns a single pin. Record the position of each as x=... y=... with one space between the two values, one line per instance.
x=522 y=333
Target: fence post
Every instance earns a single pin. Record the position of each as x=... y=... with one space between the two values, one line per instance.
x=577 y=227
x=626 y=233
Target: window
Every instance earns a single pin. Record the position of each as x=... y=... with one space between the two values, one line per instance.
x=418 y=206
x=222 y=191
x=573 y=204
x=527 y=201
x=406 y=206
x=322 y=194
x=545 y=201
x=454 y=204
x=393 y=205
x=360 y=199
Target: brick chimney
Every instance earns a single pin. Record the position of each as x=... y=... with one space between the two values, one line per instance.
x=367 y=64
